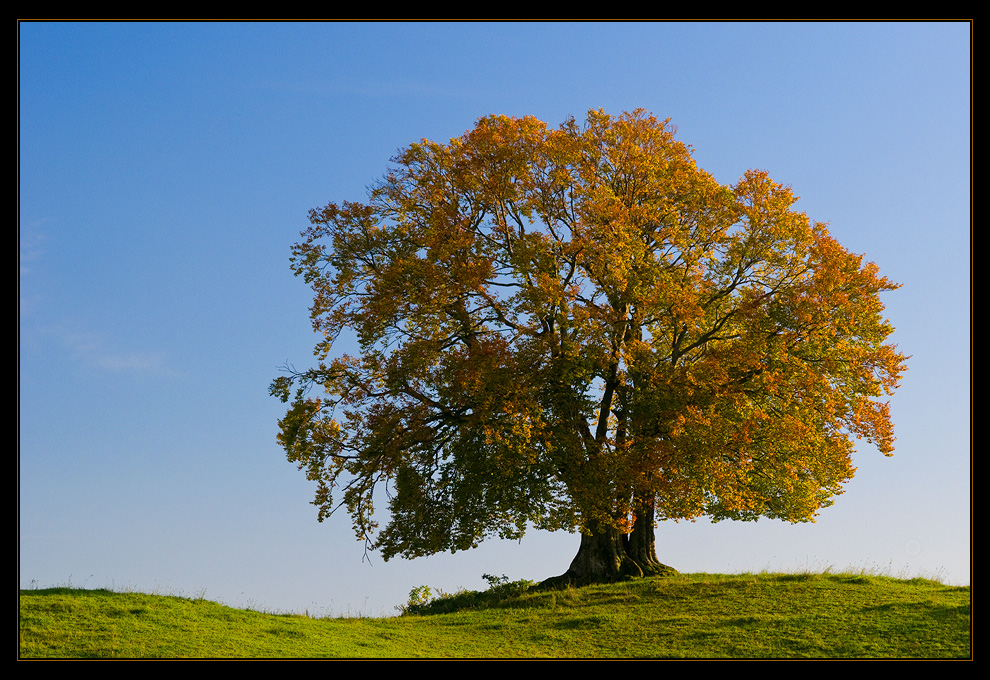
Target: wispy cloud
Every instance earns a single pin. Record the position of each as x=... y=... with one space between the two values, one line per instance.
x=143 y=363
x=94 y=351
x=89 y=349
x=29 y=251
x=29 y=243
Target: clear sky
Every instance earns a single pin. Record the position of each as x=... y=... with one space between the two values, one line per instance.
x=167 y=168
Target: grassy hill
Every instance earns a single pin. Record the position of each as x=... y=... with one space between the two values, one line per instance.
x=685 y=616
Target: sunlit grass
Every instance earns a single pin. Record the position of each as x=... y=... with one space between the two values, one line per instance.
x=854 y=614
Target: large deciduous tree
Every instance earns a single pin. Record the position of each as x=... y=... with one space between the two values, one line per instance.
x=579 y=329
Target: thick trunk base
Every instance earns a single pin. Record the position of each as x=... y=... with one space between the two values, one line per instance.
x=606 y=555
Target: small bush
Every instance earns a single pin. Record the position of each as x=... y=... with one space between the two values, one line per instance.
x=422 y=600
x=501 y=585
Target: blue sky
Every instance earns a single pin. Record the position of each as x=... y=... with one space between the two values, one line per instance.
x=167 y=168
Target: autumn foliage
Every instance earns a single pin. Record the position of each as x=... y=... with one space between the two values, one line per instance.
x=578 y=328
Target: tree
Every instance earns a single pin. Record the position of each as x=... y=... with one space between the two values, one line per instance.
x=579 y=329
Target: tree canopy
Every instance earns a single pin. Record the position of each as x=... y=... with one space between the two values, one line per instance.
x=577 y=328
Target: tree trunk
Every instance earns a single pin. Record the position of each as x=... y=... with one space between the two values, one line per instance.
x=606 y=555
x=642 y=544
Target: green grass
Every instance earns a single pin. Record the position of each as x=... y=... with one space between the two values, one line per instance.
x=806 y=615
